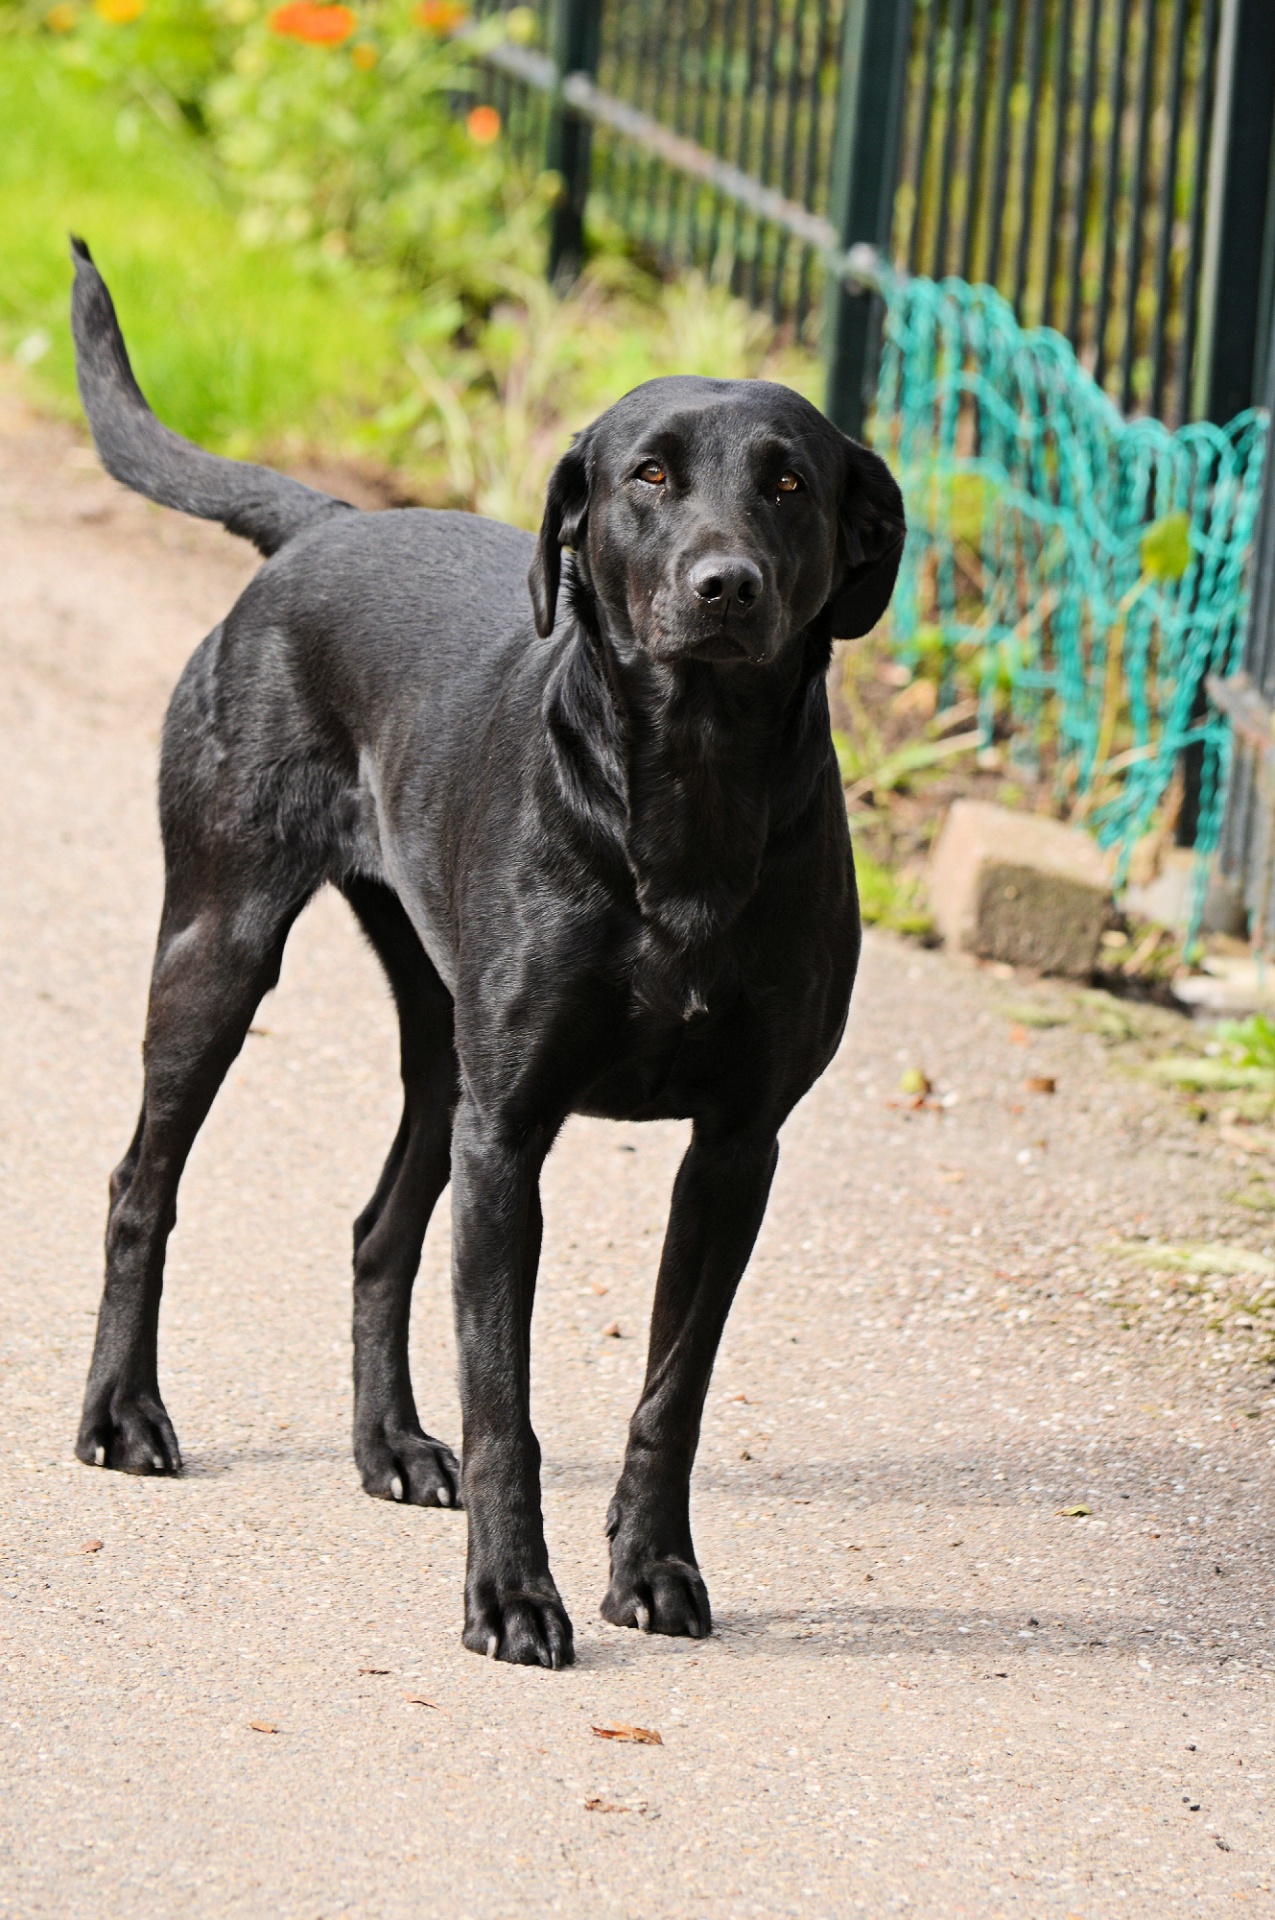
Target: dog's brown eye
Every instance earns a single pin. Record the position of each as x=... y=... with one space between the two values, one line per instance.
x=653 y=473
x=789 y=483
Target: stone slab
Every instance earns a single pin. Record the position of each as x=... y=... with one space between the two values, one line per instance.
x=1018 y=888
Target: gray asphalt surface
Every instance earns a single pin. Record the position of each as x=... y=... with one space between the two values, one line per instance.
x=929 y=1691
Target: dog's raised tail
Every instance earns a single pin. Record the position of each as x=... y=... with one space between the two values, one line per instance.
x=259 y=505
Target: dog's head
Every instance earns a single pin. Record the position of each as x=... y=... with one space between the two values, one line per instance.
x=714 y=520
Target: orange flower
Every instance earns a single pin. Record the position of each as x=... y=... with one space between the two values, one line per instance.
x=441 y=16
x=303 y=20
x=483 y=125
x=60 y=19
x=118 y=13
x=364 y=56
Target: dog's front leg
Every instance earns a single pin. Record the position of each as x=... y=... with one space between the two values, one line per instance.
x=512 y=1608
x=718 y=1202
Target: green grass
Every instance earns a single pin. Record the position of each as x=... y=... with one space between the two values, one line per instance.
x=239 y=348
x=886 y=899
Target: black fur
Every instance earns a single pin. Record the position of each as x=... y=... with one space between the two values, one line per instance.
x=603 y=857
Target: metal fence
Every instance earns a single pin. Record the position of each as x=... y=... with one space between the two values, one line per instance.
x=1059 y=150
x=1103 y=163
x=752 y=86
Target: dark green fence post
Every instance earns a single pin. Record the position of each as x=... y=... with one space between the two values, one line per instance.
x=865 y=160
x=574 y=40
x=1235 y=290
x=1235 y=280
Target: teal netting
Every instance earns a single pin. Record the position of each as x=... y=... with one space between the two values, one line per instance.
x=1083 y=571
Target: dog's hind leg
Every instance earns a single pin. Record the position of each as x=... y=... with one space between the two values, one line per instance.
x=216 y=956
x=396 y=1458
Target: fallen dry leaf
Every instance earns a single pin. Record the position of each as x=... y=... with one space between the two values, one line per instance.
x=1074 y=1513
x=263 y=1726
x=92 y=1546
x=419 y=1700
x=611 y=1331
x=596 y=1804
x=374 y=1669
x=641 y=1736
x=1041 y=1083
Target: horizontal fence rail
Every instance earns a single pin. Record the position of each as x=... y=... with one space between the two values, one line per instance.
x=669 y=150
x=714 y=125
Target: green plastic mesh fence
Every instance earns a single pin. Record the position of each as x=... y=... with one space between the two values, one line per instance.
x=1085 y=571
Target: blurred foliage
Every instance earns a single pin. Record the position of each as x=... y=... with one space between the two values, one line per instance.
x=890 y=899
x=239 y=349
x=360 y=150
x=1249 y=1043
x=315 y=237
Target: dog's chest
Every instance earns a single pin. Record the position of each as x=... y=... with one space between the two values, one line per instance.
x=664 y=1058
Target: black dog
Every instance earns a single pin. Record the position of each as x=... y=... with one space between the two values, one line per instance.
x=604 y=861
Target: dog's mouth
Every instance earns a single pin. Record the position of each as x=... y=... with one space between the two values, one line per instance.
x=728 y=648
x=717 y=642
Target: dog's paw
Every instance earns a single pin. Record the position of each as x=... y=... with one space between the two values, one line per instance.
x=659 y=1596
x=397 y=1465
x=528 y=1627
x=132 y=1436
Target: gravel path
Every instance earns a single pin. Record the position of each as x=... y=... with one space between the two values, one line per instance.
x=930 y=1691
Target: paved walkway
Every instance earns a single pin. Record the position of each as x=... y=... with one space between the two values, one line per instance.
x=930 y=1692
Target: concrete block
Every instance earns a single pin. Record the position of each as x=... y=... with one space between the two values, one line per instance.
x=1015 y=887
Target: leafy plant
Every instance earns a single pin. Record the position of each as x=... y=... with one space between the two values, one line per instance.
x=358 y=150
x=1250 y=1043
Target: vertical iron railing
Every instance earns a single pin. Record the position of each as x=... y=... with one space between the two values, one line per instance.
x=574 y=45
x=862 y=186
x=1060 y=150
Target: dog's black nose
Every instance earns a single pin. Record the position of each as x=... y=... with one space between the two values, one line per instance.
x=726 y=582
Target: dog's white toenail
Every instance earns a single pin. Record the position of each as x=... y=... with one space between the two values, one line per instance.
x=157 y=1461
x=396 y=1487
x=444 y=1496
x=493 y=1646
x=643 y=1617
x=99 y=1456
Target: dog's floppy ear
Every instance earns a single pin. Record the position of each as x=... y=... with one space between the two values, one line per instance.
x=869 y=544
x=566 y=510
